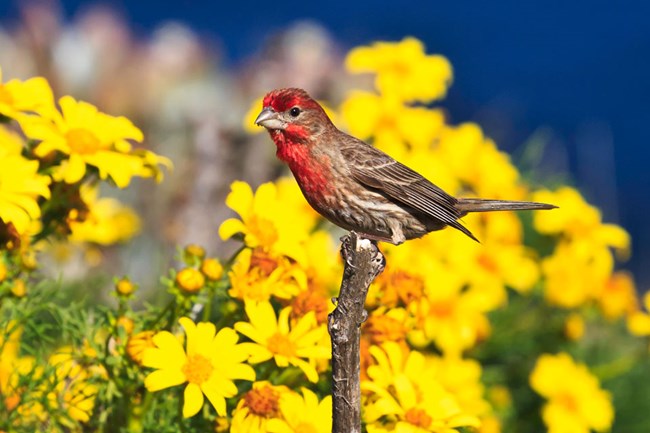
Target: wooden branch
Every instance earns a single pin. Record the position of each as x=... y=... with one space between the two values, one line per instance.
x=363 y=262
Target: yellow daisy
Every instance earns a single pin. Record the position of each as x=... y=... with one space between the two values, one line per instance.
x=107 y=221
x=275 y=218
x=576 y=402
x=302 y=414
x=20 y=185
x=256 y=276
x=391 y=123
x=298 y=344
x=32 y=95
x=209 y=365
x=257 y=407
x=403 y=69
x=76 y=385
x=91 y=138
x=404 y=396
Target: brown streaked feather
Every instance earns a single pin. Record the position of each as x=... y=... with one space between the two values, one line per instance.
x=375 y=169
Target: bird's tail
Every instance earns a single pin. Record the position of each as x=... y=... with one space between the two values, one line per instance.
x=466 y=205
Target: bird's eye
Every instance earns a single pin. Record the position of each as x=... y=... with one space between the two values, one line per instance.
x=294 y=112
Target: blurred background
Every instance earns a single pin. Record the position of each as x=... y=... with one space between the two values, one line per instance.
x=562 y=86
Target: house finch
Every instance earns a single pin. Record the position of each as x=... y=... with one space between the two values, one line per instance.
x=357 y=186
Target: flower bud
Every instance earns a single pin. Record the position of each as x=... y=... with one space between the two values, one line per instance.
x=19 y=289
x=192 y=252
x=190 y=280
x=125 y=323
x=212 y=269
x=124 y=287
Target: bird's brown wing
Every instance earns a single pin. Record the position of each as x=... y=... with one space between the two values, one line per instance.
x=375 y=169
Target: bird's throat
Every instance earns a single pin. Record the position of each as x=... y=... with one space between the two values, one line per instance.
x=312 y=172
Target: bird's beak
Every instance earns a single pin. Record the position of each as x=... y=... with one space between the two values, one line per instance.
x=270 y=119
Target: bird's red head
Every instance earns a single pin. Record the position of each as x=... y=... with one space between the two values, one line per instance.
x=292 y=115
x=282 y=100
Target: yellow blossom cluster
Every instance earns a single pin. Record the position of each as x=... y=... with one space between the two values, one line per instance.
x=581 y=269
x=67 y=385
x=48 y=175
x=576 y=402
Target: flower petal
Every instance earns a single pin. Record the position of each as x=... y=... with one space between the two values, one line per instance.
x=161 y=379
x=192 y=400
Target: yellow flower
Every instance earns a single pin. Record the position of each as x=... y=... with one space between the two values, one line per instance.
x=386 y=325
x=212 y=269
x=20 y=185
x=257 y=407
x=405 y=397
x=106 y=222
x=256 y=276
x=500 y=259
x=138 y=343
x=574 y=327
x=403 y=69
x=91 y=138
x=303 y=414
x=32 y=95
x=453 y=316
x=617 y=296
x=638 y=323
x=125 y=287
x=576 y=403
x=480 y=164
x=575 y=274
x=209 y=365
x=298 y=344
x=19 y=289
x=276 y=218
x=76 y=381
x=312 y=300
x=12 y=365
x=190 y=280
x=461 y=378
x=578 y=221
x=192 y=252
x=126 y=323
x=392 y=124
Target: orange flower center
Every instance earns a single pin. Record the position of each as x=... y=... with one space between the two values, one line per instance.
x=5 y=96
x=488 y=263
x=82 y=141
x=263 y=402
x=197 y=369
x=263 y=262
x=568 y=401
x=418 y=417
x=384 y=328
x=310 y=300
x=12 y=401
x=281 y=345
x=409 y=287
x=442 y=309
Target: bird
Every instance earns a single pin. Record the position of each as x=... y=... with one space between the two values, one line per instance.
x=357 y=186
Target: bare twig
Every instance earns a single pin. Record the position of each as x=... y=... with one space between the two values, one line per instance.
x=363 y=262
